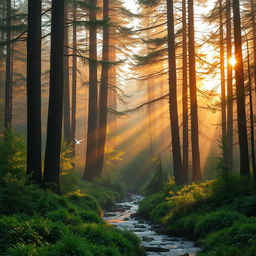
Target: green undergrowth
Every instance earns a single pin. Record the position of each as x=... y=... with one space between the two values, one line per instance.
x=38 y=222
x=220 y=216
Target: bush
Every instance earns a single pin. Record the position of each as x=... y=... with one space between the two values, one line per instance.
x=150 y=203
x=109 y=236
x=215 y=221
x=161 y=210
x=185 y=226
x=62 y=215
x=85 y=201
x=21 y=249
x=239 y=235
x=89 y=216
x=27 y=230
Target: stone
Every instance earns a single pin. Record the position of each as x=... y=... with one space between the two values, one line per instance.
x=147 y=239
x=155 y=249
x=186 y=254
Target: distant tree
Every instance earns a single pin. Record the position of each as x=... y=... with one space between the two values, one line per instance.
x=8 y=71
x=251 y=110
x=74 y=76
x=196 y=165
x=66 y=104
x=34 y=161
x=185 y=92
x=223 y=81
x=90 y=171
x=54 y=125
x=229 y=141
x=176 y=149
x=103 y=100
x=240 y=92
x=253 y=17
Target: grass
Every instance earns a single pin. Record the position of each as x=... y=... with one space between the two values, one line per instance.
x=37 y=222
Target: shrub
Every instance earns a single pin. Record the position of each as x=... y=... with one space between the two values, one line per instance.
x=89 y=216
x=185 y=226
x=84 y=201
x=21 y=249
x=62 y=215
x=150 y=203
x=24 y=231
x=161 y=210
x=239 y=235
x=109 y=236
x=215 y=221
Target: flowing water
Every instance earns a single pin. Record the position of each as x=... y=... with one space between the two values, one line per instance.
x=152 y=240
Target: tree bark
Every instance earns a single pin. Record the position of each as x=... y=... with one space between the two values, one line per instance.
x=173 y=107
x=54 y=125
x=251 y=112
x=196 y=165
x=66 y=114
x=103 y=91
x=240 y=92
x=34 y=133
x=253 y=10
x=223 y=85
x=74 y=77
x=90 y=171
x=8 y=84
x=229 y=144
x=112 y=94
x=185 y=92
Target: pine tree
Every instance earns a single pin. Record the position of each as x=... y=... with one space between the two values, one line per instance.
x=34 y=161
x=8 y=71
x=103 y=100
x=185 y=92
x=66 y=109
x=176 y=149
x=74 y=76
x=229 y=141
x=196 y=165
x=240 y=92
x=91 y=152
x=54 y=125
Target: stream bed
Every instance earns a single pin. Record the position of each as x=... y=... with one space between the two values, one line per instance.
x=152 y=240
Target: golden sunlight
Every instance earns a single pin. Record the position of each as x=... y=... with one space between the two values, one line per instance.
x=232 y=61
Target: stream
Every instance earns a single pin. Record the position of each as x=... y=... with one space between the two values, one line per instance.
x=152 y=240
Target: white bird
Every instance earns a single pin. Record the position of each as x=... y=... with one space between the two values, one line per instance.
x=78 y=142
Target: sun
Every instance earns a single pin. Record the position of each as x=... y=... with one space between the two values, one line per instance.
x=232 y=61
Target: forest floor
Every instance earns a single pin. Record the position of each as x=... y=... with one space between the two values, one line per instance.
x=35 y=222
x=219 y=216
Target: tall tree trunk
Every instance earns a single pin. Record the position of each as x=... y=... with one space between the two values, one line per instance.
x=253 y=11
x=8 y=84
x=185 y=91
x=112 y=92
x=229 y=144
x=223 y=85
x=150 y=107
x=251 y=112
x=176 y=150
x=90 y=171
x=74 y=77
x=54 y=125
x=66 y=113
x=240 y=92
x=34 y=133
x=196 y=165
x=103 y=91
